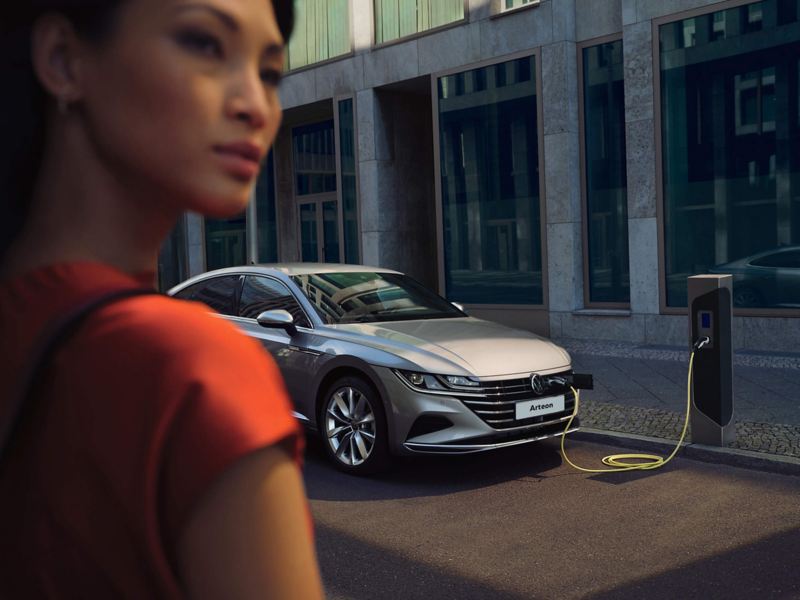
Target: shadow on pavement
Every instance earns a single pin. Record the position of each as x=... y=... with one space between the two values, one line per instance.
x=764 y=569
x=358 y=570
x=428 y=475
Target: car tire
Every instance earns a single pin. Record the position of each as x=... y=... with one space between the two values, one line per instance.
x=353 y=427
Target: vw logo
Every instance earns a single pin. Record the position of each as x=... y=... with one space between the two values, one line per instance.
x=537 y=384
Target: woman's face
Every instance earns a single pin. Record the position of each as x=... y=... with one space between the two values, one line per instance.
x=181 y=101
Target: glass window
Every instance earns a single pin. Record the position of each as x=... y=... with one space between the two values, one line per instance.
x=509 y=4
x=347 y=160
x=605 y=181
x=314 y=158
x=365 y=297
x=266 y=221
x=398 y=18
x=489 y=169
x=264 y=293
x=308 y=232
x=789 y=259
x=730 y=114
x=321 y=31
x=226 y=242
x=219 y=293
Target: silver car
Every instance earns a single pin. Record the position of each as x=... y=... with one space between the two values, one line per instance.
x=378 y=365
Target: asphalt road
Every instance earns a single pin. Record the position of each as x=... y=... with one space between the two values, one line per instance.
x=519 y=523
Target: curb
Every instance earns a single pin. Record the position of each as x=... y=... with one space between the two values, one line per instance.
x=734 y=457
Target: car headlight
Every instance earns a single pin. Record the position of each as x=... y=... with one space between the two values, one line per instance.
x=458 y=380
x=431 y=382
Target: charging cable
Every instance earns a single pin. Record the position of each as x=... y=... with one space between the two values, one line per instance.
x=619 y=462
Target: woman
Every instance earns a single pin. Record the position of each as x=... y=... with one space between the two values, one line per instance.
x=160 y=459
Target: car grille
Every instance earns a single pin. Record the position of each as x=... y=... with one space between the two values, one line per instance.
x=497 y=404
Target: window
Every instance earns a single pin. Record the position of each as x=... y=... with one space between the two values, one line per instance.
x=314 y=158
x=219 y=293
x=398 y=18
x=321 y=32
x=730 y=131
x=226 y=242
x=489 y=170
x=606 y=223
x=266 y=220
x=264 y=293
x=512 y=4
x=789 y=259
x=347 y=162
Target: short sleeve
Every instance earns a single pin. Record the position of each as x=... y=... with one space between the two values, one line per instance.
x=219 y=396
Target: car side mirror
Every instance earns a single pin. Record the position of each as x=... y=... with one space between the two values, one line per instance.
x=459 y=307
x=277 y=319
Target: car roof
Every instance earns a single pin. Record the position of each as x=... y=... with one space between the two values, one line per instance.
x=302 y=268
x=314 y=268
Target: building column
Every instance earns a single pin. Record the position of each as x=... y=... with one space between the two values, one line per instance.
x=562 y=199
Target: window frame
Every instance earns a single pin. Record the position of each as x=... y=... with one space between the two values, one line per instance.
x=350 y=54
x=656 y=24
x=374 y=45
x=536 y=54
x=237 y=292
x=279 y=281
x=587 y=303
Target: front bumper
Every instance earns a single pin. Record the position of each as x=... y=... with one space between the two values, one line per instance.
x=466 y=433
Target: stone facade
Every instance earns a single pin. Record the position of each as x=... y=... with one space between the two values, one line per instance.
x=395 y=144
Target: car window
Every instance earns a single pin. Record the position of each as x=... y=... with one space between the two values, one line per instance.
x=371 y=297
x=218 y=292
x=789 y=259
x=264 y=293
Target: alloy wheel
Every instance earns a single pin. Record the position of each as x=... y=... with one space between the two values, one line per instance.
x=350 y=426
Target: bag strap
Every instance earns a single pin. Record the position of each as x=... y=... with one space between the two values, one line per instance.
x=55 y=334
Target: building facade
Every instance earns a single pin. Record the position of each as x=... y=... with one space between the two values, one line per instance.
x=557 y=165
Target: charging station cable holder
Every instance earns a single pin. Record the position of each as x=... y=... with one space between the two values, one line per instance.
x=710 y=337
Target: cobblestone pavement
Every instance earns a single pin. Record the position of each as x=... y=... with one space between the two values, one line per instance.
x=642 y=390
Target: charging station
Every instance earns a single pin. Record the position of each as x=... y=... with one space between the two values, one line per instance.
x=710 y=336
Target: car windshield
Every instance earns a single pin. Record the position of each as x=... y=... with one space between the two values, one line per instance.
x=364 y=297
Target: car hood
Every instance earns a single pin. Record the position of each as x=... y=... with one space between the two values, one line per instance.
x=477 y=347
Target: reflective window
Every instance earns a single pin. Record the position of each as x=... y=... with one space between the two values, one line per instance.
x=489 y=169
x=347 y=161
x=219 y=293
x=321 y=31
x=730 y=113
x=266 y=220
x=226 y=242
x=605 y=181
x=365 y=297
x=509 y=4
x=264 y=293
x=308 y=233
x=398 y=18
x=314 y=158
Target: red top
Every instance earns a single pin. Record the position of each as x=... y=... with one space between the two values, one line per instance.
x=150 y=401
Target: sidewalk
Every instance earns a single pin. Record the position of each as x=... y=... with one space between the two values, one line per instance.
x=642 y=390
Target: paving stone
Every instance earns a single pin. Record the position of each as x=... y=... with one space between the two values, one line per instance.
x=642 y=390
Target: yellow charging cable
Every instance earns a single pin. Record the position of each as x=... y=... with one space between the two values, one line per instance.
x=617 y=461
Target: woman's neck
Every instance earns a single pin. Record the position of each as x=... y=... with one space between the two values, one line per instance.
x=82 y=211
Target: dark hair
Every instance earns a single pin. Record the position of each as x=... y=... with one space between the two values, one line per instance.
x=22 y=105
